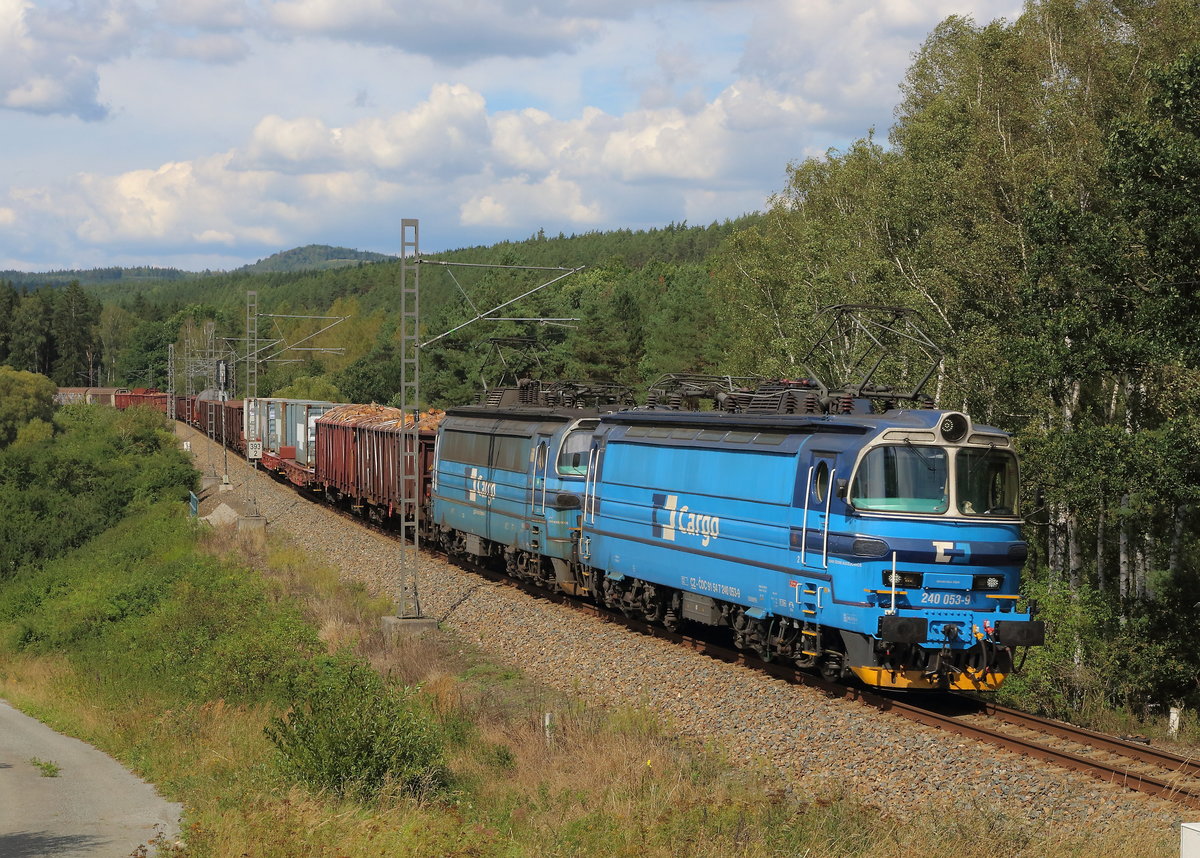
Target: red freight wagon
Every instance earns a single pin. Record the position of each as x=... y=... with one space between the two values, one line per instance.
x=185 y=407
x=358 y=455
x=146 y=396
x=231 y=424
x=219 y=419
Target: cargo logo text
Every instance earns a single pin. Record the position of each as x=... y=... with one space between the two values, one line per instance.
x=478 y=487
x=669 y=519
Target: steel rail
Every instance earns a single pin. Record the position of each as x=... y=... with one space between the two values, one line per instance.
x=1189 y=766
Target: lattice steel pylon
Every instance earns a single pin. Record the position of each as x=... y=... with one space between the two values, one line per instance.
x=251 y=344
x=171 y=383
x=410 y=406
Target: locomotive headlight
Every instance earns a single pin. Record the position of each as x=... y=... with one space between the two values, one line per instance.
x=901 y=579
x=954 y=426
x=987 y=582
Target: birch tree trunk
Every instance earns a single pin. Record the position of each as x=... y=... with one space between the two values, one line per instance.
x=1074 y=552
x=1176 y=559
x=1123 y=550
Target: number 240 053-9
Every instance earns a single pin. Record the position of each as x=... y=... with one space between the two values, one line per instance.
x=928 y=598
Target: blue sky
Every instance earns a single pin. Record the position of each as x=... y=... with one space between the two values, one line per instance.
x=211 y=133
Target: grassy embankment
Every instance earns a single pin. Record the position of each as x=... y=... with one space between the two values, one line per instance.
x=175 y=649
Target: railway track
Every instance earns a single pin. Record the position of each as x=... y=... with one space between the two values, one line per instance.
x=1132 y=765
x=1126 y=764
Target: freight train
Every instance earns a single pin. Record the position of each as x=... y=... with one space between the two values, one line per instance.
x=817 y=528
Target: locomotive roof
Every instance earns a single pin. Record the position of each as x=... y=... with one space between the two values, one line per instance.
x=834 y=423
x=532 y=414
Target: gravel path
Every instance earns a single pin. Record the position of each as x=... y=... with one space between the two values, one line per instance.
x=812 y=740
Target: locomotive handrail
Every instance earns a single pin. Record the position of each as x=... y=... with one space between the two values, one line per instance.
x=589 y=486
x=825 y=540
x=804 y=521
x=545 y=475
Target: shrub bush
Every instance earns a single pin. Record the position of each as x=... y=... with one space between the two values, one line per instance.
x=355 y=735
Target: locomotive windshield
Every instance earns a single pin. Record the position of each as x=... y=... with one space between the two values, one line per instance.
x=902 y=479
x=573 y=457
x=986 y=481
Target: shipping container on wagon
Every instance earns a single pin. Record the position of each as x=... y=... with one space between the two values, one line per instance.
x=103 y=395
x=287 y=427
x=70 y=395
x=288 y=432
x=358 y=455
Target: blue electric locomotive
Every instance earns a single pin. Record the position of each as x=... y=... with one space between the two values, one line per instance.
x=887 y=546
x=821 y=524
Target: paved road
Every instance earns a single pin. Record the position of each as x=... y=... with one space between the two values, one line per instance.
x=95 y=808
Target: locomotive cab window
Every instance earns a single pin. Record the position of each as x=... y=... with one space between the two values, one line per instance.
x=986 y=482
x=573 y=456
x=907 y=478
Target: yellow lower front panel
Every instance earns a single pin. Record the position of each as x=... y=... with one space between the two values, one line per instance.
x=915 y=680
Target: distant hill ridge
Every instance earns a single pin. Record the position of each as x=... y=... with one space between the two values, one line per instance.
x=314 y=257
x=308 y=258
x=673 y=243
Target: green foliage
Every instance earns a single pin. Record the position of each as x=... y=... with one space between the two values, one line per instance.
x=34 y=432
x=48 y=768
x=76 y=343
x=57 y=494
x=24 y=397
x=9 y=301
x=144 y=359
x=52 y=332
x=30 y=346
x=375 y=377
x=139 y=608
x=355 y=735
x=456 y=369
x=1096 y=661
x=318 y=388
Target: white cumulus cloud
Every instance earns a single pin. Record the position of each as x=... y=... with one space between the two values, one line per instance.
x=450 y=31
x=519 y=201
